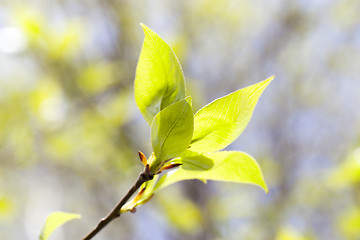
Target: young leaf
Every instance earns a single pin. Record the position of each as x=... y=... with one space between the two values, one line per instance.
x=159 y=80
x=55 y=220
x=228 y=166
x=144 y=195
x=219 y=123
x=189 y=100
x=171 y=132
x=195 y=161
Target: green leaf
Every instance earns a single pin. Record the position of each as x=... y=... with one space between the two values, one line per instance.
x=171 y=132
x=55 y=220
x=195 y=161
x=189 y=100
x=219 y=123
x=159 y=80
x=228 y=166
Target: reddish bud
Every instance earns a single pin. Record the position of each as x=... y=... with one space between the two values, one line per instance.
x=170 y=166
x=143 y=158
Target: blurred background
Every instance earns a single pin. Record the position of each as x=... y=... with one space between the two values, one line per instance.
x=70 y=130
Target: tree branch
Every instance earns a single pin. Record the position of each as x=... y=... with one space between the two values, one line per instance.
x=144 y=176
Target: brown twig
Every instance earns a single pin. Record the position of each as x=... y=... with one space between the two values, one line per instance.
x=145 y=176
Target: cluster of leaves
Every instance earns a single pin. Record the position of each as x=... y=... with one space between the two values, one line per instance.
x=186 y=143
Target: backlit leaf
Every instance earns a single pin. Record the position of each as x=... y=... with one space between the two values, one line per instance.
x=228 y=166
x=195 y=161
x=219 y=123
x=171 y=132
x=159 y=80
x=54 y=221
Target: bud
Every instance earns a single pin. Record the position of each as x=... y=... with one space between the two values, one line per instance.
x=143 y=158
x=170 y=166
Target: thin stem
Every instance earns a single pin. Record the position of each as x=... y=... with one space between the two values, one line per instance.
x=145 y=176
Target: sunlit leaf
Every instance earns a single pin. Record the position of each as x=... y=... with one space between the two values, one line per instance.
x=219 y=123
x=195 y=161
x=189 y=100
x=171 y=132
x=228 y=166
x=159 y=80
x=54 y=221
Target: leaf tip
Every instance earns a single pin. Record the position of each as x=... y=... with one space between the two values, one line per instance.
x=269 y=80
x=265 y=188
x=145 y=28
x=55 y=220
x=188 y=99
x=262 y=184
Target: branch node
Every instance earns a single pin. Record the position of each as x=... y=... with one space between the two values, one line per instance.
x=147 y=175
